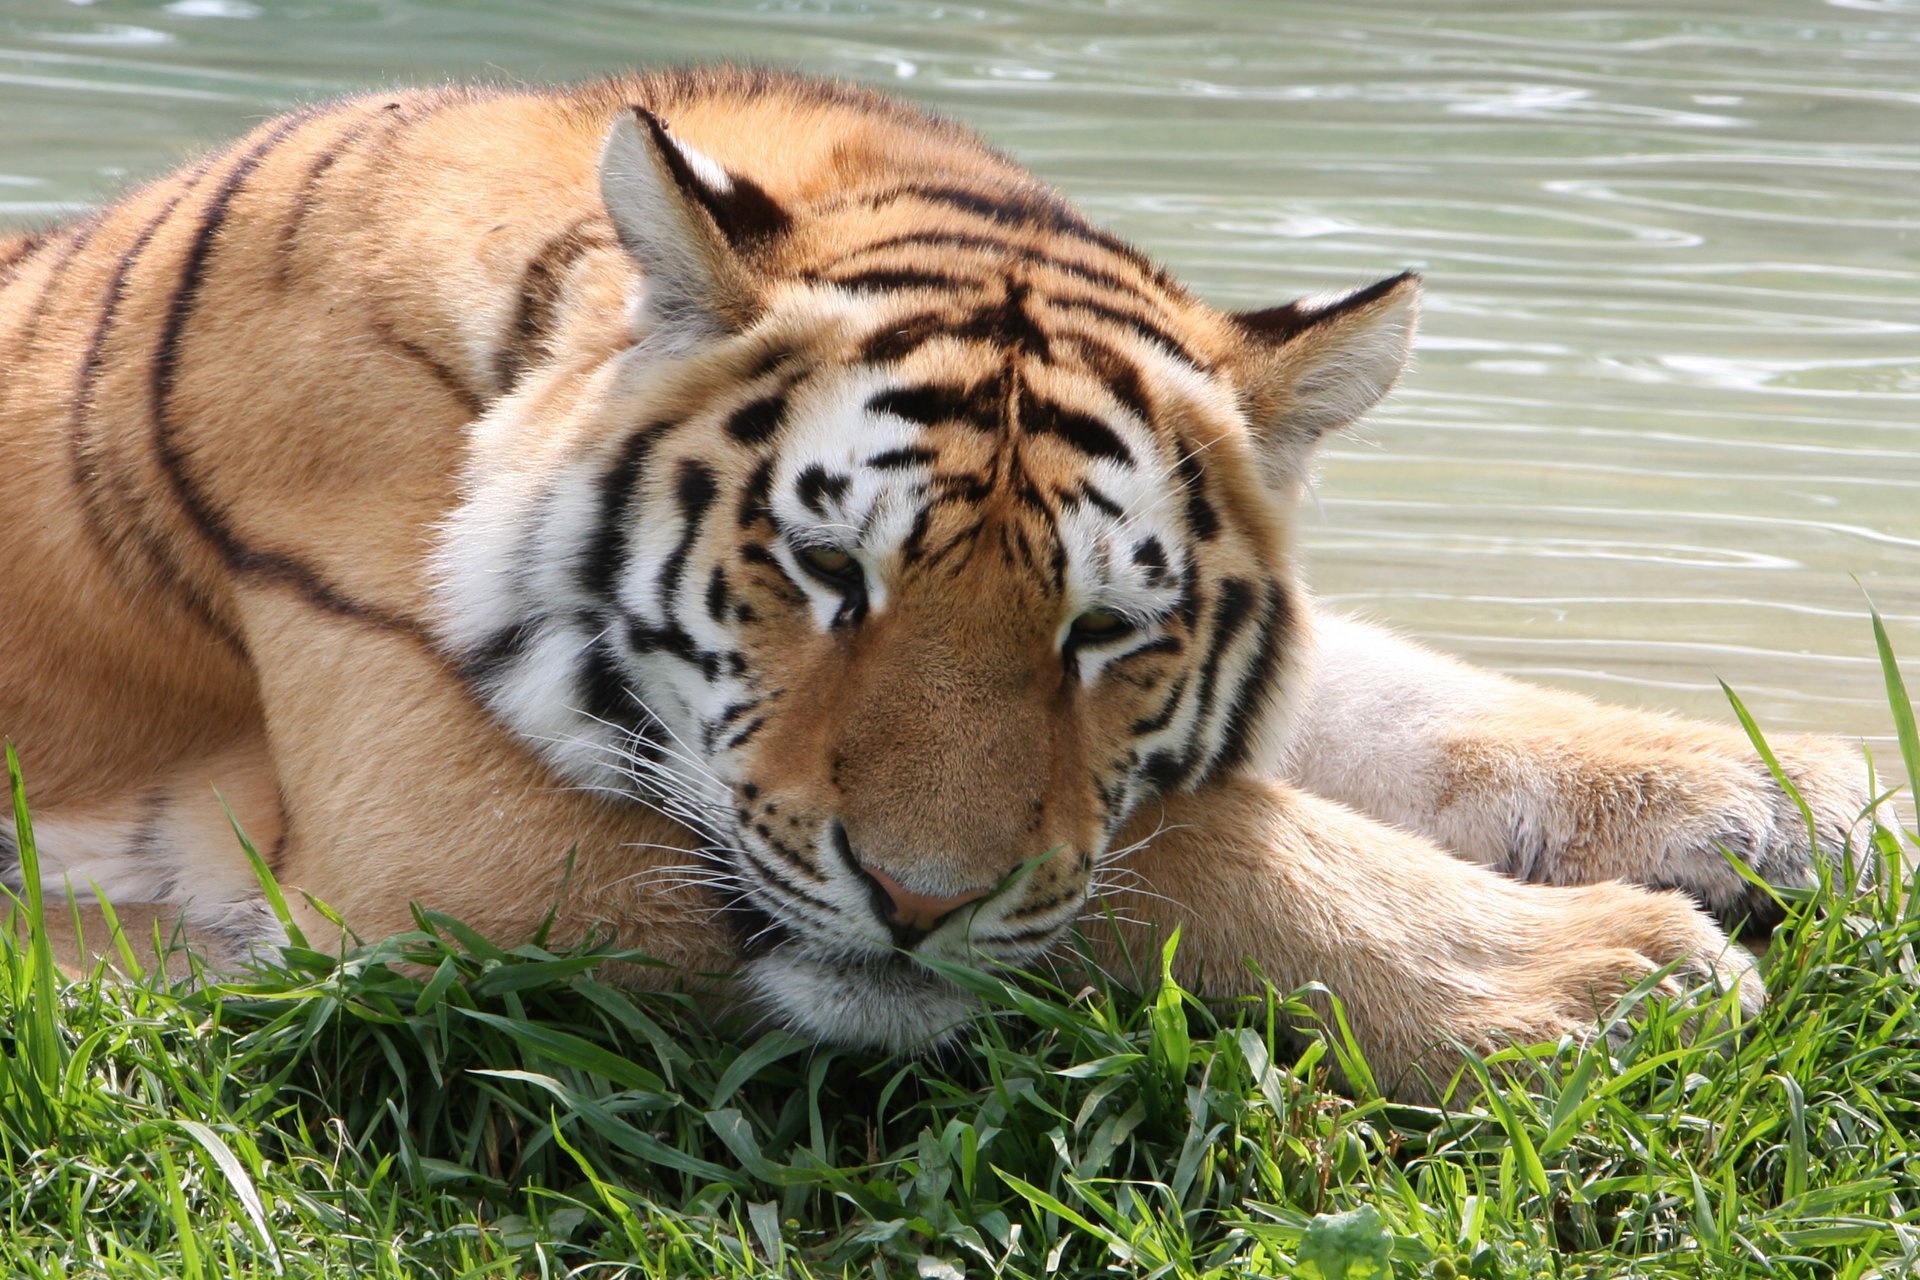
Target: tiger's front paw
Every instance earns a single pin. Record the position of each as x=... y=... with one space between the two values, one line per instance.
x=1587 y=946
x=1759 y=822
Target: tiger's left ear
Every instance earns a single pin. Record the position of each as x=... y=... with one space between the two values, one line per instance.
x=1316 y=365
x=689 y=224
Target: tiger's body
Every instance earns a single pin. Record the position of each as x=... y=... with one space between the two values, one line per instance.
x=785 y=506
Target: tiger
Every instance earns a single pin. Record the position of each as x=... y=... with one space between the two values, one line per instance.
x=749 y=517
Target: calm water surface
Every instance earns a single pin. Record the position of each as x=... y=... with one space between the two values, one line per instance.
x=1663 y=428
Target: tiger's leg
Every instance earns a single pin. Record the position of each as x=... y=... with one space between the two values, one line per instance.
x=1551 y=787
x=163 y=856
x=1424 y=950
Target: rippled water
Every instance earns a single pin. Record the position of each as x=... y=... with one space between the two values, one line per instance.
x=1665 y=414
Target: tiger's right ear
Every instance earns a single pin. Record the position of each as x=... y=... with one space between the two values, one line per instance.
x=688 y=223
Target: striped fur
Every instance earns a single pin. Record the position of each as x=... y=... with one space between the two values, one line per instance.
x=758 y=496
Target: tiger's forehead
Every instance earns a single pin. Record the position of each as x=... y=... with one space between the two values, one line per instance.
x=922 y=467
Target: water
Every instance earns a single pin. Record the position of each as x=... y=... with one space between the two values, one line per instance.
x=1664 y=416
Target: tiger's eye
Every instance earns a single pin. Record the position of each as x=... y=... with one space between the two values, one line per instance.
x=1099 y=623
x=831 y=561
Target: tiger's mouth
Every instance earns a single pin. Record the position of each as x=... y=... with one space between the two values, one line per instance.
x=853 y=997
x=885 y=1002
x=830 y=966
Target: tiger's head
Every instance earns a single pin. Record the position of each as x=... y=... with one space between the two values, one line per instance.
x=918 y=536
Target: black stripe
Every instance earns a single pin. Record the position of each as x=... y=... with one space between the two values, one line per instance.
x=902 y=338
x=1164 y=716
x=73 y=241
x=755 y=422
x=670 y=640
x=1152 y=648
x=1009 y=324
x=817 y=486
x=1096 y=498
x=768 y=362
x=1024 y=253
x=1024 y=207
x=1025 y=492
x=1142 y=325
x=606 y=551
x=782 y=584
x=958 y=551
x=1028 y=911
x=1250 y=699
x=1201 y=517
x=913 y=546
x=885 y=278
x=603 y=687
x=1187 y=607
x=539 y=293
x=144 y=844
x=84 y=469
x=753 y=497
x=1019 y=937
x=717 y=594
x=1122 y=379
x=903 y=459
x=927 y=406
x=1170 y=769
x=1164 y=770
x=451 y=382
x=484 y=663
x=694 y=491
x=276 y=854
x=746 y=733
x=198 y=506
x=980 y=407
x=774 y=880
x=1230 y=614
x=22 y=249
x=316 y=170
x=1088 y=434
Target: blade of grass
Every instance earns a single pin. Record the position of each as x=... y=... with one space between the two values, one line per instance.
x=1773 y=764
x=42 y=1029
x=1902 y=708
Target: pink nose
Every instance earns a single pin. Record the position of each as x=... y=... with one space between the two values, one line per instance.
x=920 y=911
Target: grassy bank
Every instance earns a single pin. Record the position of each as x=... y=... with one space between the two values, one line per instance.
x=511 y=1115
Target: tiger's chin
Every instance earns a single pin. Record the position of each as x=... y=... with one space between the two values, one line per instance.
x=887 y=1003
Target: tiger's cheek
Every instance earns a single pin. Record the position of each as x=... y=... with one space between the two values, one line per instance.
x=796 y=673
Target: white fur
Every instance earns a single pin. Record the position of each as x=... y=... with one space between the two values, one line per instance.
x=891 y=1007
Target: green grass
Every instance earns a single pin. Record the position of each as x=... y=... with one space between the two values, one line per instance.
x=510 y=1114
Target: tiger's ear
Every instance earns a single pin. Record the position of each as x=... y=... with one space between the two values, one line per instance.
x=688 y=223
x=1316 y=365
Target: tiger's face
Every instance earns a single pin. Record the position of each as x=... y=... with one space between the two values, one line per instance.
x=902 y=593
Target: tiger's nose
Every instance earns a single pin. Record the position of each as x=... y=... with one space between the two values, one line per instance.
x=919 y=912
